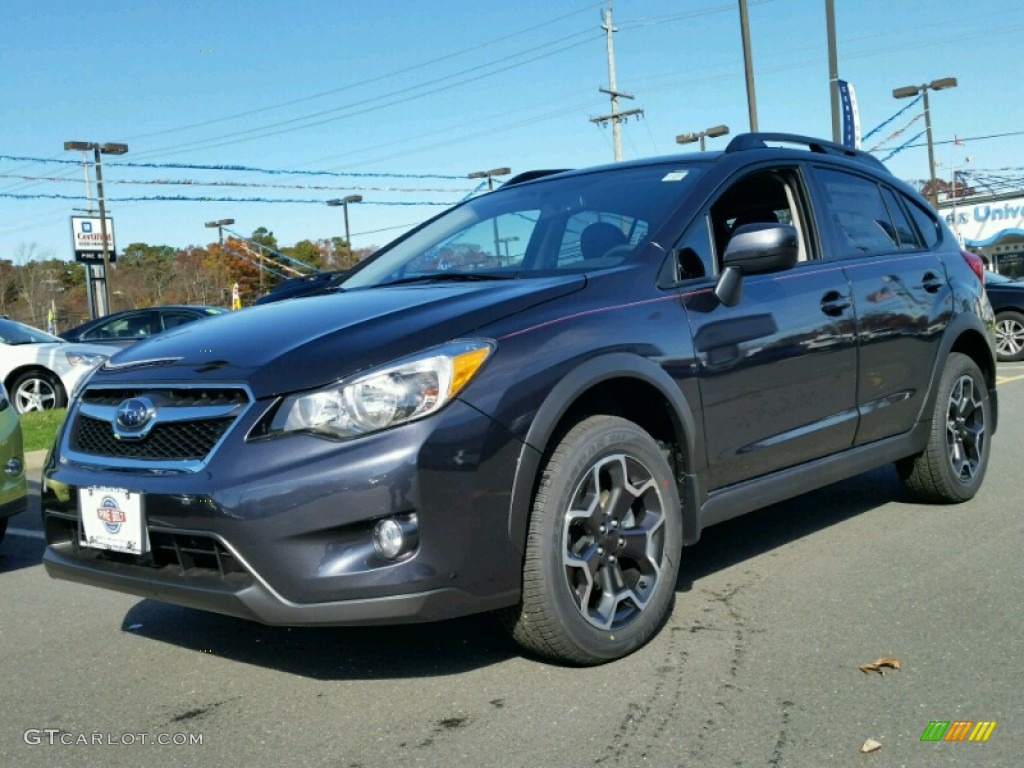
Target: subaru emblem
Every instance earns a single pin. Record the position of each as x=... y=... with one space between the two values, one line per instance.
x=135 y=413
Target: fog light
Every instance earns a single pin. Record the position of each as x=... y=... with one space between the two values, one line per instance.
x=13 y=467
x=395 y=536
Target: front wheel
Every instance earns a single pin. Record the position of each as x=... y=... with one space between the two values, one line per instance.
x=37 y=391
x=1009 y=337
x=952 y=467
x=602 y=553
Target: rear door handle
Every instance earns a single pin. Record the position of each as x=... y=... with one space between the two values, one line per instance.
x=931 y=282
x=833 y=303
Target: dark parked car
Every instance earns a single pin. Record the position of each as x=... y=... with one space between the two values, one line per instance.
x=1006 y=294
x=665 y=344
x=122 y=329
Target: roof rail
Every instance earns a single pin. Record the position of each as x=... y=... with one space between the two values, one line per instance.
x=531 y=175
x=746 y=141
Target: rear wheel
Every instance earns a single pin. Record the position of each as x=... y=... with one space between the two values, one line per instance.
x=952 y=467
x=3 y=528
x=1010 y=337
x=602 y=554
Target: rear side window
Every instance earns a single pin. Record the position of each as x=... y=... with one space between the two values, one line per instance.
x=859 y=213
x=908 y=237
x=926 y=222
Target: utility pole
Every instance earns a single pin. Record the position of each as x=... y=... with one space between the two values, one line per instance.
x=615 y=117
x=833 y=68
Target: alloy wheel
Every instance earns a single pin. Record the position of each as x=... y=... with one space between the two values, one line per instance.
x=965 y=428
x=613 y=541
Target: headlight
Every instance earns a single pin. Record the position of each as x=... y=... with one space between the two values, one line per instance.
x=86 y=359
x=400 y=392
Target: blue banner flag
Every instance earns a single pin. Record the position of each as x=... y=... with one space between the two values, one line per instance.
x=851 y=118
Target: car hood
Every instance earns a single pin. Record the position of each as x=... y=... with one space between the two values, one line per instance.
x=310 y=342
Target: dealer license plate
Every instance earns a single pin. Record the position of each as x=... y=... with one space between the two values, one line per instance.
x=113 y=519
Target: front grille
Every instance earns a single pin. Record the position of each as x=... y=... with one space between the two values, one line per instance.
x=174 y=397
x=178 y=441
x=185 y=424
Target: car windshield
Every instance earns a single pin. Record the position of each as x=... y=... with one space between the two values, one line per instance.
x=570 y=223
x=13 y=333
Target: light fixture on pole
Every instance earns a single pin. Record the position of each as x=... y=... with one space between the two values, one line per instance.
x=913 y=90
x=109 y=148
x=343 y=202
x=712 y=132
x=489 y=175
x=220 y=228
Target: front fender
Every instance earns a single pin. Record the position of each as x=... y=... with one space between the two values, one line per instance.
x=561 y=399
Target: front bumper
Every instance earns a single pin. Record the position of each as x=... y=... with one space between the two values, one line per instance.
x=279 y=531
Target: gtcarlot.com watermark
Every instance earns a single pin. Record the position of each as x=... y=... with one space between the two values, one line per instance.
x=55 y=737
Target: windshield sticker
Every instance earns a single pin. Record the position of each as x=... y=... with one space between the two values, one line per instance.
x=675 y=176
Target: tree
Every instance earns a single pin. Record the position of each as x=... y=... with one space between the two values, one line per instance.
x=307 y=252
x=154 y=266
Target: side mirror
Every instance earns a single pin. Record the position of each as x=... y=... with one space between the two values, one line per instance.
x=755 y=249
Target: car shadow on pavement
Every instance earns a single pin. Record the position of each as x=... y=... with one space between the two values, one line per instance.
x=455 y=646
x=330 y=653
x=763 y=530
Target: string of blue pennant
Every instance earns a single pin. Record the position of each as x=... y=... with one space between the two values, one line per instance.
x=271 y=250
x=186 y=199
x=195 y=183
x=237 y=168
x=884 y=123
x=901 y=147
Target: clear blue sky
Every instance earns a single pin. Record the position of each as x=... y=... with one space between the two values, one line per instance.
x=446 y=88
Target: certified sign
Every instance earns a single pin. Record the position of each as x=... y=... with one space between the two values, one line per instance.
x=87 y=239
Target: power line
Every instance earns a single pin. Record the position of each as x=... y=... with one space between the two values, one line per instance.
x=394 y=73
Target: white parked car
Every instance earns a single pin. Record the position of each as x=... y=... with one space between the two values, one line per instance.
x=39 y=370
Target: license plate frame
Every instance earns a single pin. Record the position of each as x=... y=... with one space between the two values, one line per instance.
x=113 y=519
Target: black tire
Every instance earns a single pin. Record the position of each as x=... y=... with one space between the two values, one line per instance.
x=1009 y=337
x=603 y=547
x=3 y=529
x=952 y=467
x=37 y=390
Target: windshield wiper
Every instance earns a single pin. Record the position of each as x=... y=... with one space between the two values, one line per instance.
x=444 y=277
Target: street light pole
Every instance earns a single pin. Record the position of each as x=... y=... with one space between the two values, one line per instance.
x=109 y=148
x=748 y=66
x=489 y=175
x=220 y=228
x=712 y=132
x=343 y=202
x=913 y=90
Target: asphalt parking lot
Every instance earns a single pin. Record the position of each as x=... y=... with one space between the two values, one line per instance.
x=758 y=666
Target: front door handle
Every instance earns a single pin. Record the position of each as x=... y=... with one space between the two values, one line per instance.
x=833 y=303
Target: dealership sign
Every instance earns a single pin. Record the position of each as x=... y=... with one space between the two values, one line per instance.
x=87 y=239
x=984 y=224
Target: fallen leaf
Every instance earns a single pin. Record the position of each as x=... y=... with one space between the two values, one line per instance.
x=878 y=664
x=870 y=746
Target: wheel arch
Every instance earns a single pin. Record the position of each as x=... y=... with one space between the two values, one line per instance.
x=618 y=384
x=21 y=370
x=965 y=334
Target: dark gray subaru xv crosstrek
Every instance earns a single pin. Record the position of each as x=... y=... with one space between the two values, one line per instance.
x=532 y=402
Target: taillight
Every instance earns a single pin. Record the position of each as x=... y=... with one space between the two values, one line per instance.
x=975 y=263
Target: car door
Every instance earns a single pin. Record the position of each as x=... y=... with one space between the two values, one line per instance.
x=902 y=299
x=777 y=371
